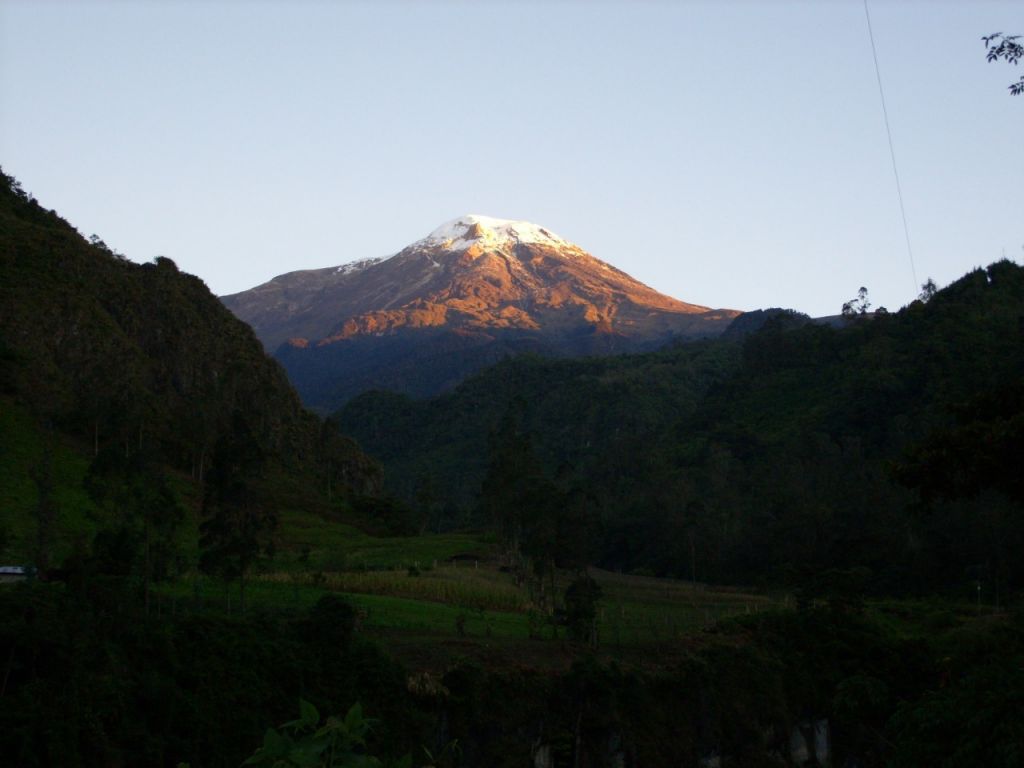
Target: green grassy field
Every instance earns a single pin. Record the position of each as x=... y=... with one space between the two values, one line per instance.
x=475 y=610
x=412 y=592
x=308 y=542
x=459 y=576
x=26 y=453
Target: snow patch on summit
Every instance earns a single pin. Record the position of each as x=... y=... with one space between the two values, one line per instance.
x=359 y=265
x=459 y=234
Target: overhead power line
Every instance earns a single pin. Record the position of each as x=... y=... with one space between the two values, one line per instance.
x=892 y=152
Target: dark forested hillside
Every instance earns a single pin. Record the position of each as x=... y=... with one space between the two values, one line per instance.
x=140 y=359
x=594 y=416
x=774 y=457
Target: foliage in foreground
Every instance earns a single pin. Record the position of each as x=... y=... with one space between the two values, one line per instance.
x=337 y=742
x=999 y=46
x=92 y=680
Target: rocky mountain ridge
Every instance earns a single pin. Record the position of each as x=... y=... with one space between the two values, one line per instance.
x=473 y=283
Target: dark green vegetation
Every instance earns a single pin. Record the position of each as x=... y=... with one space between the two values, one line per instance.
x=90 y=679
x=586 y=415
x=211 y=555
x=774 y=458
x=126 y=389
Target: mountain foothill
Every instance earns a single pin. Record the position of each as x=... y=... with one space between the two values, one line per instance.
x=102 y=357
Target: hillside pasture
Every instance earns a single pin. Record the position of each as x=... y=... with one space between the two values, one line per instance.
x=474 y=609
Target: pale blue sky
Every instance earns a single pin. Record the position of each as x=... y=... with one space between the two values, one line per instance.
x=729 y=154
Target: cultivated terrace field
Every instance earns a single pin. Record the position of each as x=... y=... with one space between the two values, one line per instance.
x=436 y=600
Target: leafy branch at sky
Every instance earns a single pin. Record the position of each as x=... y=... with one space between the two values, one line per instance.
x=1000 y=46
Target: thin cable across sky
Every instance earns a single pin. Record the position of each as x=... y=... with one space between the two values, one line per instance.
x=892 y=151
x=727 y=154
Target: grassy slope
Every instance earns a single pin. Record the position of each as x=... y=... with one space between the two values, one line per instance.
x=418 y=618
x=78 y=519
x=415 y=616
x=316 y=552
x=643 y=621
x=21 y=449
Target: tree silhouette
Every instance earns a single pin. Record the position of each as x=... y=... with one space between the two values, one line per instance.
x=142 y=510
x=525 y=506
x=581 y=598
x=237 y=527
x=46 y=510
x=513 y=473
x=928 y=290
x=1000 y=46
x=858 y=305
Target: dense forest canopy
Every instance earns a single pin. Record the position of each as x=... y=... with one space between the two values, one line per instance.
x=778 y=448
x=141 y=362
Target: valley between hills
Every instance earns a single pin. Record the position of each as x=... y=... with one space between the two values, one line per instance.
x=503 y=505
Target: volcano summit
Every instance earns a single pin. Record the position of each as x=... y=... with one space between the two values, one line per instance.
x=472 y=291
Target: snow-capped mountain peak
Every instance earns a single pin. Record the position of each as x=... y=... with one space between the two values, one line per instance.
x=473 y=290
x=472 y=229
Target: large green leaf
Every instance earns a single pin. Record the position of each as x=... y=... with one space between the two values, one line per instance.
x=308 y=714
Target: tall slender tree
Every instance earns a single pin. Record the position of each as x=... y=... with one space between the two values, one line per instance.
x=237 y=528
